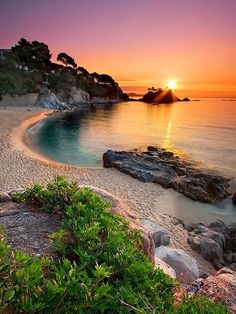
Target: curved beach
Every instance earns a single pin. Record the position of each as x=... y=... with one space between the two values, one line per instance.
x=20 y=166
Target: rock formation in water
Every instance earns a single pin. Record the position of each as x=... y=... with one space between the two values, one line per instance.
x=160 y=166
x=160 y=97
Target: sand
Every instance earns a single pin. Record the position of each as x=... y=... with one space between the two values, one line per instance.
x=20 y=167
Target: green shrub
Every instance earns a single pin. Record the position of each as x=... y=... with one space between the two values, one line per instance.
x=7 y=84
x=199 y=305
x=56 y=196
x=99 y=269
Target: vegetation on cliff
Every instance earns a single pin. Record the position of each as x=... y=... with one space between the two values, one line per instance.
x=29 y=65
x=99 y=267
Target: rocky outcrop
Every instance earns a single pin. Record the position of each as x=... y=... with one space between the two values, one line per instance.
x=220 y=287
x=47 y=99
x=215 y=242
x=185 y=266
x=160 y=166
x=119 y=208
x=159 y=234
x=160 y=97
x=75 y=97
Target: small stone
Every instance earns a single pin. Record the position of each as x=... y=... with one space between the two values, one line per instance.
x=4 y=197
x=159 y=234
x=234 y=198
x=14 y=191
x=231 y=258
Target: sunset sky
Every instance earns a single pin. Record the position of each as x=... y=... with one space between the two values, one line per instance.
x=140 y=43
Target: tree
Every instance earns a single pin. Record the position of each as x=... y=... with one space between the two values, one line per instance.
x=34 y=55
x=66 y=60
x=107 y=79
x=82 y=71
x=96 y=77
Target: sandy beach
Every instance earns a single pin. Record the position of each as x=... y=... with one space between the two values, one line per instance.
x=20 y=167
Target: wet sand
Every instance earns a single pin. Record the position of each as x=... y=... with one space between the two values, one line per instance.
x=20 y=166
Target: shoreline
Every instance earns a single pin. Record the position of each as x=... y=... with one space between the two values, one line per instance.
x=20 y=168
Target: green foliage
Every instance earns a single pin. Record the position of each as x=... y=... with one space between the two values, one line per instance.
x=99 y=269
x=29 y=64
x=7 y=84
x=199 y=305
x=56 y=196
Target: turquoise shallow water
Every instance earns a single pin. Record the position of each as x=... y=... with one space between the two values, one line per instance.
x=204 y=131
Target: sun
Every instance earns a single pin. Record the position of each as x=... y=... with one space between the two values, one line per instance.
x=171 y=84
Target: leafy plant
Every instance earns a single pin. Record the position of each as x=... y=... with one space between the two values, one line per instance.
x=53 y=198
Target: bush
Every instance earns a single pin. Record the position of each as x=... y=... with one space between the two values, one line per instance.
x=7 y=84
x=99 y=268
x=56 y=196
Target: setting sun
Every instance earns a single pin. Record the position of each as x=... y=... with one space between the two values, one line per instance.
x=171 y=84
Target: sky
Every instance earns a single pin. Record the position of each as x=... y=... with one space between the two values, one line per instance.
x=140 y=43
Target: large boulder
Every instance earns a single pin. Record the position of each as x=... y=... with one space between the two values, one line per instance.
x=47 y=99
x=185 y=266
x=220 y=287
x=159 y=234
x=162 y=167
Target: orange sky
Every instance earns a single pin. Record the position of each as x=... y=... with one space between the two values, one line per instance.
x=141 y=43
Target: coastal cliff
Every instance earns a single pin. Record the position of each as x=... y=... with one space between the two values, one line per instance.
x=27 y=68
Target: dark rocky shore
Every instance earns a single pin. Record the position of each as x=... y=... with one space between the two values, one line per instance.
x=163 y=167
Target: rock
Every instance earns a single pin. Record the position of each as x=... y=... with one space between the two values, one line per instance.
x=160 y=166
x=211 y=251
x=166 y=268
x=159 y=234
x=14 y=191
x=234 y=198
x=185 y=266
x=124 y=97
x=230 y=258
x=160 y=97
x=220 y=287
x=185 y=99
x=4 y=197
x=121 y=209
x=215 y=242
x=47 y=99
x=74 y=97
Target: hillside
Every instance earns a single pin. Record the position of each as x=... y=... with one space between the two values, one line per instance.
x=28 y=66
